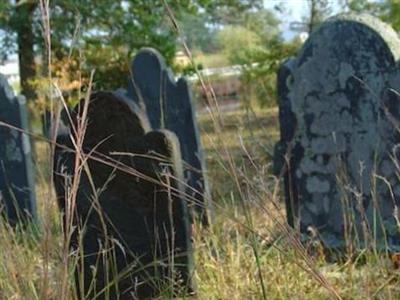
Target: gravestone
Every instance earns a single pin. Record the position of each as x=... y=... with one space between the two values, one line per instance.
x=129 y=200
x=17 y=186
x=339 y=113
x=168 y=104
x=286 y=156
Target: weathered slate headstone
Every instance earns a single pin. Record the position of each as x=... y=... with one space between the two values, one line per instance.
x=286 y=156
x=168 y=104
x=17 y=186
x=132 y=202
x=339 y=119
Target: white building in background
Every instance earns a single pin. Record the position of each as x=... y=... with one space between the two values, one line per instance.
x=10 y=69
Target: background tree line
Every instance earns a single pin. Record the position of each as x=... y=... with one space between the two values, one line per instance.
x=104 y=35
x=101 y=35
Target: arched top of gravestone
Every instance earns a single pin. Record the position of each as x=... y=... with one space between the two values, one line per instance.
x=105 y=100
x=134 y=107
x=103 y=110
x=151 y=81
x=148 y=67
x=343 y=29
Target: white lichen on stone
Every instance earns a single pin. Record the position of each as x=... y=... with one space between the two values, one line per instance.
x=336 y=96
x=13 y=153
x=26 y=145
x=316 y=185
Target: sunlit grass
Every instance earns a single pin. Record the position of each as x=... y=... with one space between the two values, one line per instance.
x=226 y=266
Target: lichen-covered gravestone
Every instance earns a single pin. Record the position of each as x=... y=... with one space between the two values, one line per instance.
x=339 y=116
x=168 y=104
x=17 y=192
x=130 y=207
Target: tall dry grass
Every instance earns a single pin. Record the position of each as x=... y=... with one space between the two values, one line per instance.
x=247 y=253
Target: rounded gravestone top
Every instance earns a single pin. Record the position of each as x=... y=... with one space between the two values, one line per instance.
x=386 y=32
x=370 y=23
x=338 y=93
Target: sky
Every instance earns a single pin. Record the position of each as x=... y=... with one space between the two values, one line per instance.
x=294 y=10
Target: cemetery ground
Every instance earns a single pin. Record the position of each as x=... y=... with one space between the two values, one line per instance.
x=246 y=254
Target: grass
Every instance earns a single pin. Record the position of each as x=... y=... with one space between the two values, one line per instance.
x=247 y=253
x=245 y=241
x=248 y=136
x=233 y=272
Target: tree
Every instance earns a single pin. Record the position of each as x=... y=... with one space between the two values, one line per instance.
x=25 y=42
x=387 y=10
x=260 y=57
x=361 y=6
x=229 y=12
x=101 y=35
x=18 y=36
x=318 y=11
x=257 y=30
x=199 y=34
x=201 y=29
x=231 y=40
x=390 y=13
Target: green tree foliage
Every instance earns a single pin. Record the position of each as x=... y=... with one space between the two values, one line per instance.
x=318 y=11
x=201 y=30
x=259 y=78
x=256 y=31
x=17 y=32
x=230 y=12
x=387 y=10
x=101 y=35
x=390 y=13
x=199 y=33
x=360 y=6
x=237 y=41
x=255 y=43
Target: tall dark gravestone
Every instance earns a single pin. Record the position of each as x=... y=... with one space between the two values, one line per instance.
x=130 y=205
x=168 y=104
x=17 y=186
x=339 y=114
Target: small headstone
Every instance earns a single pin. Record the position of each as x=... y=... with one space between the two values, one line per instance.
x=168 y=104
x=17 y=185
x=339 y=116
x=131 y=207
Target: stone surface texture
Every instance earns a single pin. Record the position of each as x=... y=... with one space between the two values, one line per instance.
x=17 y=186
x=129 y=200
x=168 y=104
x=339 y=113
